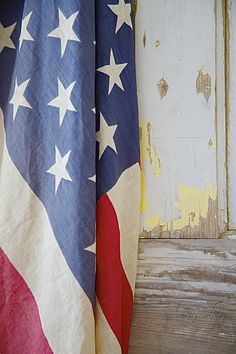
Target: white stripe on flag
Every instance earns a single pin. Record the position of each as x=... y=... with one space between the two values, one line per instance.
x=27 y=239
x=125 y=197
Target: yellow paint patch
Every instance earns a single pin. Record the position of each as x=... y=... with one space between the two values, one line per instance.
x=193 y=205
x=153 y=221
x=148 y=152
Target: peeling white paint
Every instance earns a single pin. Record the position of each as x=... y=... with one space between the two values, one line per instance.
x=182 y=121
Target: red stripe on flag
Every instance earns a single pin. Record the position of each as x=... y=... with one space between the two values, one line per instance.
x=20 y=326
x=112 y=287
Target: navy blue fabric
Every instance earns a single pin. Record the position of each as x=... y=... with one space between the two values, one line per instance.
x=120 y=107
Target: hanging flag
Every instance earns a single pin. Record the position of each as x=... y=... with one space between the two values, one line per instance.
x=118 y=175
x=67 y=69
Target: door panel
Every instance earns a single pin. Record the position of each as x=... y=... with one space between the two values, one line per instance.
x=176 y=72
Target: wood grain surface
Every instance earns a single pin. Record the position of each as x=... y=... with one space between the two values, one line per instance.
x=185 y=299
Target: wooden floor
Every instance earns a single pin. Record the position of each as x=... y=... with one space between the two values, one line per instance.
x=185 y=299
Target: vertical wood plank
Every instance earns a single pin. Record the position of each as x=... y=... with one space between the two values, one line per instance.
x=220 y=8
x=231 y=109
x=176 y=70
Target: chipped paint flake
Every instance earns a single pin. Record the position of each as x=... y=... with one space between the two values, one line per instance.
x=193 y=205
x=144 y=39
x=212 y=144
x=162 y=87
x=135 y=7
x=203 y=84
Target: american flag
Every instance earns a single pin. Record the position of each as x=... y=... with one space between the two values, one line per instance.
x=69 y=176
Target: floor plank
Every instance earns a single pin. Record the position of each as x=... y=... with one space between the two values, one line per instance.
x=185 y=299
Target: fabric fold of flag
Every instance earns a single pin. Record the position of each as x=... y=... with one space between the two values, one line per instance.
x=69 y=176
x=117 y=220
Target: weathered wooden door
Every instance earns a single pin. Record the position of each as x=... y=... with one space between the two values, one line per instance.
x=185 y=300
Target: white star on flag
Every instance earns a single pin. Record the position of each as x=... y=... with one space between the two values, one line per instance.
x=114 y=71
x=62 y=101
x=5 y=36
x=91 y=248
x=25 y=35
x=122 y=11
x=105 y=136
x=64 y=31
x=18 y=99
x=59 y=168
x=93 y=178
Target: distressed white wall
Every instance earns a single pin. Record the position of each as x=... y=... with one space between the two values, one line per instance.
x=175 y=57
